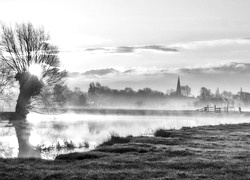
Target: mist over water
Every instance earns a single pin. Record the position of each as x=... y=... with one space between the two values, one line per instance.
x=94 y=128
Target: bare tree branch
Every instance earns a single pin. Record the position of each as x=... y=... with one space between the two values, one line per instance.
x=21 y=48
x=25 y=45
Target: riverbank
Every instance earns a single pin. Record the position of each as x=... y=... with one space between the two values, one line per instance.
x=209 y=152
x=147 y=112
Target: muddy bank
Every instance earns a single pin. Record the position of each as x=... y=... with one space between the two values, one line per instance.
x=209 y=152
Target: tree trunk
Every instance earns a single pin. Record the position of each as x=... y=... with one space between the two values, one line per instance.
x=30 y=86
x=22 y=105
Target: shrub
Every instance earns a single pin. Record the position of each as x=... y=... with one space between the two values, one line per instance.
x=162 y=133
x=115 y=139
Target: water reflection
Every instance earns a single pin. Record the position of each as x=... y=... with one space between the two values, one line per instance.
x=15 y=136
x=20 y=138
x=8 y=138
x=25 y=149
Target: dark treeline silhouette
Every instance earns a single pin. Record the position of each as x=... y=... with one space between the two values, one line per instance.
x=96 y=89
x=75 y=97
x=104 y=96
x=99 y=95
x=61 y=96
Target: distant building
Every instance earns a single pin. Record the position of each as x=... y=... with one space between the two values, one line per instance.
x=244 y=96
x=178 y=88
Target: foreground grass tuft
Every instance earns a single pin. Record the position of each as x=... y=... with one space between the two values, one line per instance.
x=162 y=133
x=66 y=144
x=116 y=139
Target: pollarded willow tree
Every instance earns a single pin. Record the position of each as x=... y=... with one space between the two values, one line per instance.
x=33 y=61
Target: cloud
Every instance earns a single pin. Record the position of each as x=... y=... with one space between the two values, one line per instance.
x=164 y=48
x=132 y=49
x=95 y=49
x=210 y=43
x=159 y=48
x=129 y=71
x=230 y=67
x=100 y=72
x=222 y=68
x=106 y=72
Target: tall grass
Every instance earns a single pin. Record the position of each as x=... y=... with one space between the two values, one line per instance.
x=65 y=145
x=115 y=138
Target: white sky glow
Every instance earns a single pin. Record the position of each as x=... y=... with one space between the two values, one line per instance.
x=203 y=32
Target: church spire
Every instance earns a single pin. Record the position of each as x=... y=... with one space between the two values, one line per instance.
x=178 y=89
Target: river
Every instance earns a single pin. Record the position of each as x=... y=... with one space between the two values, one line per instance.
x=86 y=131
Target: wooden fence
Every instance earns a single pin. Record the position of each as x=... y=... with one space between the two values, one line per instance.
x=220 y=109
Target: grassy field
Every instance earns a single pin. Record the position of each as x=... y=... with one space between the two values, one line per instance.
x=207 y=152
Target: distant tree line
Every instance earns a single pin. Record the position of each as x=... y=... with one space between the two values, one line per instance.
x=225 y=98
x=206 y=97
x=63 y=95
x=96 y=89
x=104 y=96
x=99 y=95
x=59 y=97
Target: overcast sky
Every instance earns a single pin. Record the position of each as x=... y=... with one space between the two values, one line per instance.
x=145 y=43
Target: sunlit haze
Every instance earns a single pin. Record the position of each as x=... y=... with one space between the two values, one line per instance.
x=145 y=43
x=36 y=69
x=124 y=89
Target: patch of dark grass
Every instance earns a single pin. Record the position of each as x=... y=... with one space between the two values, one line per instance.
x=184 y=128
x=182 y=175
x=176 y=153
x=122 y=149
x=54 y=176
x=162 y=133
x=194 y=165
x=116 y=139
x=173 y=133
x=158 y=140
x=82 y=156
x=243 y=155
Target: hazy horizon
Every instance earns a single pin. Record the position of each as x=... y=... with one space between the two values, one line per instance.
x=145 y=43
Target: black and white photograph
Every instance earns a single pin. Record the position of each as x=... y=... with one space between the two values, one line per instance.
x=124 y=89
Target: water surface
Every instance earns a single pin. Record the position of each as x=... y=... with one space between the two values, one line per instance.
x=18 y=139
